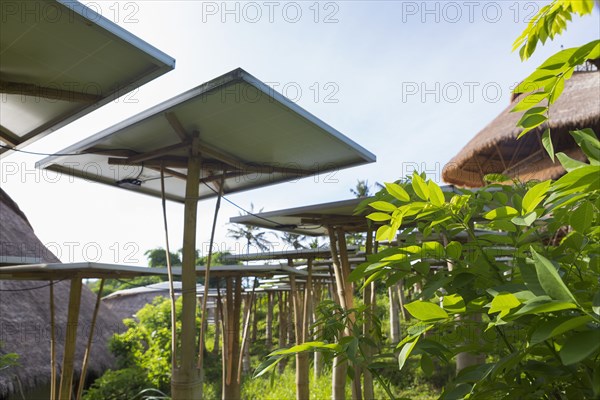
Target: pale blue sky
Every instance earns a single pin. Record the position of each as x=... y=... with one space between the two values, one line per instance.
x=374 y=63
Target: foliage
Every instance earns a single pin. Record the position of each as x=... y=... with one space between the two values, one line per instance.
x=216 y=258
x=293 y=240
x=144 y=349
x=362 y=188
x=8 y=360
x=550 y=21
x=518 y=280
x=123 y=384
x=547 y=82
x=157 y=258
x=114 y=285
x=506 y=271
x=253 y=235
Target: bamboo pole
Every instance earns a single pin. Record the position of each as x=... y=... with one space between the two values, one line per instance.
x=340 y=366
x=88 y=347
x=231 y=387
x=269 y=328
x=318 y=356
x=229 y=303
x=169 y=271
x=282 y=328
x=66 y=379
x=349 y=289
x=207 y=275
x=52 y=345
x=185 y=382
x=368 y=294
x=247 y=314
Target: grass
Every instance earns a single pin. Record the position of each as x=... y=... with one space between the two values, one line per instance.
x=283 y=387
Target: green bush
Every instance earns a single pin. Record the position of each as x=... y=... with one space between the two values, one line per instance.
x=123 y=384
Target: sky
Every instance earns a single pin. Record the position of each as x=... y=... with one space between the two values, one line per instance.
x=411 y=81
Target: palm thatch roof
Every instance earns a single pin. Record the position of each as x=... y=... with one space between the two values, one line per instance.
x=496 y=149
x=25 y=311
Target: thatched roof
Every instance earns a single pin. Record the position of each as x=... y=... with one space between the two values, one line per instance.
x=126 y=303
x=25 y=312
x=496 y=149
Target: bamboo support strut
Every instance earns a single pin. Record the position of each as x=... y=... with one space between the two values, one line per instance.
x=185 y=383
x=66 y=380
x=169 y=272
x=52 y=345
x=207 y=275
x=88 y=347
x=248 y=314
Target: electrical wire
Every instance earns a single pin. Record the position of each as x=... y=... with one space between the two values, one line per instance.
x=256 y=215
x=156 y=178
x=35 y=153
x=33 y=288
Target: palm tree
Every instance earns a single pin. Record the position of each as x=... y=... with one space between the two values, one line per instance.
x=253 y=235
x=362 y=188
x=293 y=239
x=157 y=258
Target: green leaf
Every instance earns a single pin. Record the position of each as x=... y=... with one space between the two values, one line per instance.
x=426 y=365
x=582 y=218
x=549 y=279
x=454 y=250
x=436 y=196
x=379 y=217
x=501 y=212
x=557 y=326
x=496 y=178
x=383 y=233
x=525 y=220
x=420 y=187
x=397 y=191
x=426 y=311
x=433 y=249
x=422 y=267
x=596 y=303
x=529 y=122
x=383 y=206
x=547 y=143
x=531 y=100
x=504 y=302
x=579 y=347
x=569 y=163
x=534 y=196
x=589 y=143
x=266 y=366
x=540 y=307
x=454 y=303
x=582 y=7
x=405 y=352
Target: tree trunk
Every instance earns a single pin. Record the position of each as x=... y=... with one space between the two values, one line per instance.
x=394 y=322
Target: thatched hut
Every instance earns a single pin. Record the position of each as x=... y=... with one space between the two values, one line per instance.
x=127 y=302
x=25 y=314
x=496 y=149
